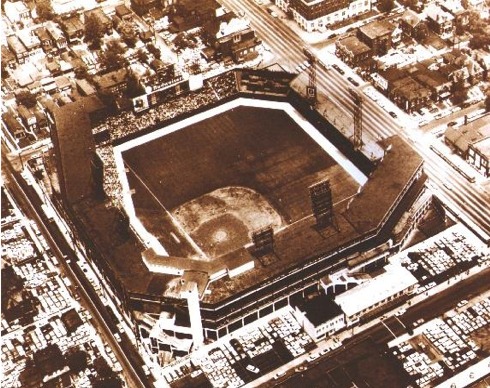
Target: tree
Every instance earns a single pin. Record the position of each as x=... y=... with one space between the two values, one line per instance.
x=479 y=40
x=154 y=50
x=112 y=57
x=94 y=30
x=128 y=34
x=386 y=5
x=133 y=90
x=26 y=98
x=142 y=55
x=77 y=360
x=460 y=93
x=44 y=10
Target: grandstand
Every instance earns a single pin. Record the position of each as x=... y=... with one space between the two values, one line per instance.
x=196 y=184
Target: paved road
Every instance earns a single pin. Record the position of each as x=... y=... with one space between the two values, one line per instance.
x=103 y=322
x=377 y=336
x=456 y=191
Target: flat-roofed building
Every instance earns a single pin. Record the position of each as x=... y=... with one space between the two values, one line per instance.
x=30 y=41
x=376 y=294
x=320 y=317
x=73 y=28
x=314 y=15
x=16 y=11
x=377 y=35
x=353 y=52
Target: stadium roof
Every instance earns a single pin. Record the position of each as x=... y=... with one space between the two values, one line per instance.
x=394 y=280
x=384 y=186
x=75 y=148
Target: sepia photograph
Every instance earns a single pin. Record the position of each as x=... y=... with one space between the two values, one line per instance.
x=245 y=193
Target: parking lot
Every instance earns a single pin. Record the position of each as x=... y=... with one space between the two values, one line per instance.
x=245 y=355
x=447 y=345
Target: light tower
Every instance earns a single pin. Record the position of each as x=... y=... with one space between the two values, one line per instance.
x=311 y=88
x=357 y=138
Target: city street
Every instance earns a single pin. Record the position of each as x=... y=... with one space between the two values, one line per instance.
x=456 y=191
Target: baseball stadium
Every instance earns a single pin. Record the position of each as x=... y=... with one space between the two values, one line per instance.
x=201 y=191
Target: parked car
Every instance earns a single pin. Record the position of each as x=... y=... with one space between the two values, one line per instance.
x=393 y=114
x=353 y=81
x=401 y=312
x=336 y=67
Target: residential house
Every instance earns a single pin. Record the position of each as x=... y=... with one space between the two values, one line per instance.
x=384 y=79
x=27 y=117
x=17 y=48
x=8 y=58
x=102 y=18
x=472 y=142
x=232 y=37
x=17 y=12
x=13 y=126
x=455 y=8
x=462 y=66
x=482 y=57
x=436 y=82
x=283 y=5
x=142 y=7
x=439 y=21
x=57 y=36
x=354 y=52
x=377 y=35
x=413 y=25
x=409 y=94
x=124 y=13
x=73 y=28
x=47 y=43
x=189 y=14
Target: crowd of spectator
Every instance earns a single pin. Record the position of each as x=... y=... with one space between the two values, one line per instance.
x=126 y=123
x=213 y=91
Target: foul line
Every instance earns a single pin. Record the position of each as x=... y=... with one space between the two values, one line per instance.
x=174 y=221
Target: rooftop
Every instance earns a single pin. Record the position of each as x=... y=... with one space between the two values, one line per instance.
x=354 y=45
x=377 y=29
x=321 y=309
x=395 y=279
x=391 y=176
x=75 y=146
x=474 y=133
